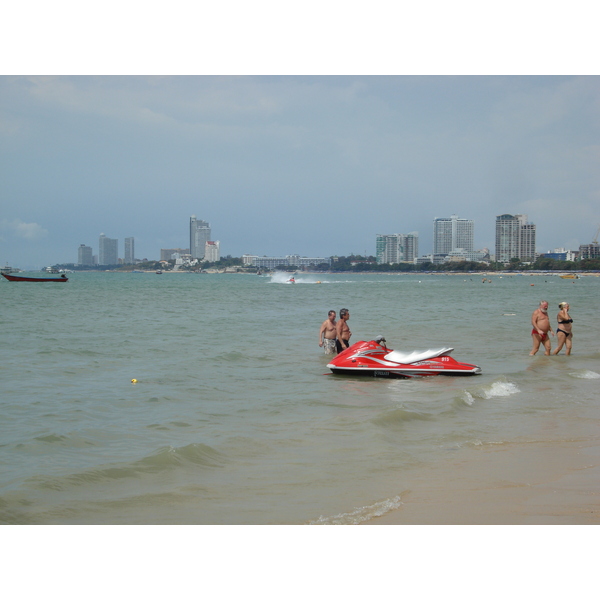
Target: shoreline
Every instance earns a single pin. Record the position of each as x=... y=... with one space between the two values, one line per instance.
x=525 y=483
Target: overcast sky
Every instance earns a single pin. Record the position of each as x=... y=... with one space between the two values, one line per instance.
x=314 y=165
x=280 y=165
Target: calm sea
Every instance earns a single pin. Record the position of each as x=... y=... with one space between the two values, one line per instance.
x=235 y=419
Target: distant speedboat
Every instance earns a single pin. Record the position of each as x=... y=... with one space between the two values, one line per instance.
x=159 y=272
x=62 y=278
x=570 y=276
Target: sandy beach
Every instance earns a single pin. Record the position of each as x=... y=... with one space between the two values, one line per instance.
x=536 y=483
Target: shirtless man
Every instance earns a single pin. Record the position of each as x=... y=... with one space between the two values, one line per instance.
x=343 y=331
x=327 y=333
x=541 y=325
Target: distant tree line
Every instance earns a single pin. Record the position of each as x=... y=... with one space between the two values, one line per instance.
x=361 y=264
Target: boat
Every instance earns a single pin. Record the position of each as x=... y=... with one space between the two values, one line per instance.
x=9 y=270
x=375 y=359
x=570 y=276
x=62 y=278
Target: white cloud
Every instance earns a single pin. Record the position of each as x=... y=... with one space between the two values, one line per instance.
x=27 y=231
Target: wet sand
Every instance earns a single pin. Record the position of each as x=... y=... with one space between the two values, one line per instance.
x=534 y=483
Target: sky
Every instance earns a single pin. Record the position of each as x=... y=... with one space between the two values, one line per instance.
x=310 y=164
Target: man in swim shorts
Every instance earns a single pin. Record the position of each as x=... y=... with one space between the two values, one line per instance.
x=327 y=334
x=343 y=331
x=541 y=326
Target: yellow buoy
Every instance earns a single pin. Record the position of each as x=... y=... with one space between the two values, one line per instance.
x=134 y=381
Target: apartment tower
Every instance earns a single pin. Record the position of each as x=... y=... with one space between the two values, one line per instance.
x=199 y=235
x=515 y=238
x=452 y=233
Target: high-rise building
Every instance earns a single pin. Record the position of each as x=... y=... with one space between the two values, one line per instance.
x=85 y=257
x=452 y=233
x=212 y=252
x=129 y=251
x=515 y=238
x=199 y=235
x=108 y=251
x=397 y=247
x=589 y=250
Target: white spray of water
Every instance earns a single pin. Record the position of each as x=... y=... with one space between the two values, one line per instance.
x=585 y=375
x=294 y=279
x=496 y=389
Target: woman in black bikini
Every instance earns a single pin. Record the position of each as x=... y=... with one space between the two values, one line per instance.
x=564 y=333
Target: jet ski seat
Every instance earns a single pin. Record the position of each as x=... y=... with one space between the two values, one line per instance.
x=408 y=358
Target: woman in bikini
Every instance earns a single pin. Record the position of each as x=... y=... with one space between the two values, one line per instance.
x=564 y=332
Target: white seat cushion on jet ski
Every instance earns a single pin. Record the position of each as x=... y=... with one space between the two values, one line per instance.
x=408 y=358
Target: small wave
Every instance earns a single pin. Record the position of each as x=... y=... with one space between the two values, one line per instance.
x=51 y=438
x=399 y=416
x=165 y=459
x=496 y=389
x=585 y=374
x=230 y=357
x=360 y=515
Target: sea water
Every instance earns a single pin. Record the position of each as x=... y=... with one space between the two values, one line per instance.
x=234 y=418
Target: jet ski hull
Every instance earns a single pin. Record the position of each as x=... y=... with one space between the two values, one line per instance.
x=372 y=359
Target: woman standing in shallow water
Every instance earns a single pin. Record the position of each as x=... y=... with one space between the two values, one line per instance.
x=564 y=332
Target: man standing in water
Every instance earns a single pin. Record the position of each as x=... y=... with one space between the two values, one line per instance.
x=327 y=333
x=541 y=327
x=343 y=331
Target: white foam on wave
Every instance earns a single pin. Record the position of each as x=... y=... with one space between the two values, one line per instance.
x=585 y=375
x=365 y=513
x=501 y=389
x=468 y=398
x=496 y=389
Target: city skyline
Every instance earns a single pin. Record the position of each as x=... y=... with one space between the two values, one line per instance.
x=292 y=165
x=453 y=239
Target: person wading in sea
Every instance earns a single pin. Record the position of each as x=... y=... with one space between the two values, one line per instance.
x=541 y=326
x=327 y=334
x=343 y=331
x=564 y=331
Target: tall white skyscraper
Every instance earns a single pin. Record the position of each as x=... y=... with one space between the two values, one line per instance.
x=129 y=258
x=199 y=235
x=108 y=251
x=452 y=233
x=515 y=238
x=397 y=247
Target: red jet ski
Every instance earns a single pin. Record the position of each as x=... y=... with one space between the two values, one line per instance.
x=375 y=359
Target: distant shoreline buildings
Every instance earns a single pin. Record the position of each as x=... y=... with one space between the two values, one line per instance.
x=108 y=251
x=451 y=234
x=515 y=238
x=199 y=235
x=397 y=247
x=290 y=260
x=129 y=258
x=453 y=241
